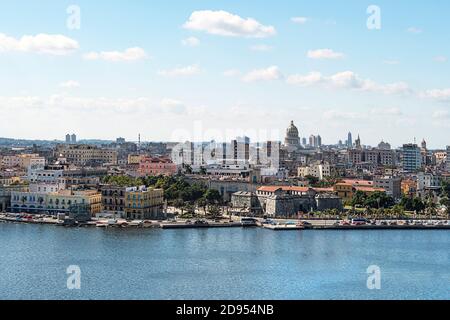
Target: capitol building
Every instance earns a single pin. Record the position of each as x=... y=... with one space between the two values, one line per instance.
x=292 y=140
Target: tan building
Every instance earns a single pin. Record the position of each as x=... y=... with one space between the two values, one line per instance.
x=85 y=155
x=135 y=158
x=143 y=203
x=22 y=160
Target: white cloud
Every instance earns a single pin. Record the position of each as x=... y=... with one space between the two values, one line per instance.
x=306 y=80
x=231 y=73
x=437 y=94
x=439 y=114
x=300 y=20
x=342 y=115
x=54 y=44
x=348 y=80
x=70 y=84
x=261 y=47
x=414 y=30
x=130 y=54
x=441 y=59
x=173 y=106
x=72 y=103
x=267 y=74
x=181 y=71
x=324 y=54
x=391 y=62
x=191 y=42
x=224 y=23
x=386 y=111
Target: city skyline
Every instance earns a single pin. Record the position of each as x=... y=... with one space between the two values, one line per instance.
x=228 y=66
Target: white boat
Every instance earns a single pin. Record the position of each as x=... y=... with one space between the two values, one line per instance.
x=248 y=222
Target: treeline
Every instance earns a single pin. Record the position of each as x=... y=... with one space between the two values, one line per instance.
x=176 y=189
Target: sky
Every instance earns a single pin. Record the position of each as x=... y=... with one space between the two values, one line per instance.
x=202 y=69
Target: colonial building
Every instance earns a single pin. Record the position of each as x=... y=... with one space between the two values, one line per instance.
x=285 y=201
x=113 y=199
x=152 y=166
x=54 y=202
x=144 y=203
x=346 y=189
x=85 y=155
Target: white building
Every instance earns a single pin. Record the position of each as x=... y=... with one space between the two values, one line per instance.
x=238 y=152
x=46 y=187
x=427 y=181
x=42 y=175
x=318 y=170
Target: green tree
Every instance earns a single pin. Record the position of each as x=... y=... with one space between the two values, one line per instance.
x=213 y=196
x=359 y=199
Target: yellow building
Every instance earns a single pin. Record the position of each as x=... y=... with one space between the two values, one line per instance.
x=347 y=188
x=143 y=203
x=135 y=158
x=7 y=181
x=345 y=191
x=62 y=200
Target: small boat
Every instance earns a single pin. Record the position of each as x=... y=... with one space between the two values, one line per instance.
x=359 y=222
x=112 y=222
x=248 y=222
x=136 y=224
x=101 y=224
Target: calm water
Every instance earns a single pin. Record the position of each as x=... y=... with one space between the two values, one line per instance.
x=222 y=263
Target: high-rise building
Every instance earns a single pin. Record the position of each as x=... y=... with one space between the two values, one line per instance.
x=412 y=157
x=67 y=138
x=350 y=140
x=319 y=141
x=312 y=141
x=73 y=138
x=304 y=142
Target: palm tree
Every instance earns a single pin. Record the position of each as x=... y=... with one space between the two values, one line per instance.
x=202 y=203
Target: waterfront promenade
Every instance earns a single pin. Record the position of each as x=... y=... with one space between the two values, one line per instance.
x=233 y=222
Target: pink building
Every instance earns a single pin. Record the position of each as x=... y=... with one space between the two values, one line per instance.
x=150 y=166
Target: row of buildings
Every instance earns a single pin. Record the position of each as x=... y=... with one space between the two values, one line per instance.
x=71 y=173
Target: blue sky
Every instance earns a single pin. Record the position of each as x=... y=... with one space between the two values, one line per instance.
x=185 y=77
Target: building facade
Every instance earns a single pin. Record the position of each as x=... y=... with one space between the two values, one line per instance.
x=152 y=166
x=85 y=155
x=144 y=203
x=411 y=157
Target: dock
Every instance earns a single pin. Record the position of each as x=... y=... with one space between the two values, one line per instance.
x=283 y=227
x=274 y=225
x=183 y=225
